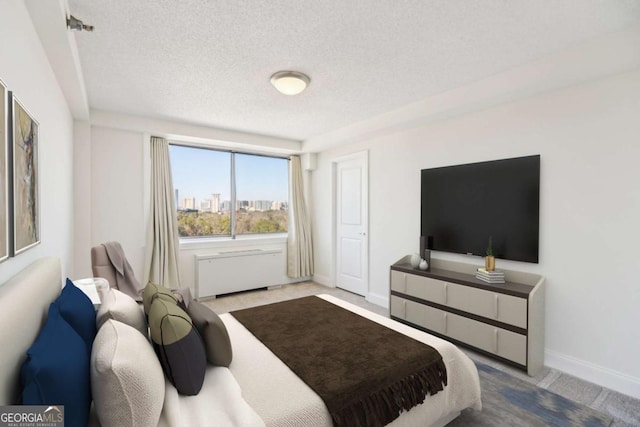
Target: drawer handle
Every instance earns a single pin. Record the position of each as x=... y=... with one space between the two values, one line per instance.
x=495 y=306
x=495 y=340
x=446 y=294
x=445 y=323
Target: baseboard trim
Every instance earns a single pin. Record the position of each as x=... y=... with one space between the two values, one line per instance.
x=291 y=281
x=596 y=374
x=378 y=300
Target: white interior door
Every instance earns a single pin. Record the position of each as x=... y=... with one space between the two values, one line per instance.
x=352 y=217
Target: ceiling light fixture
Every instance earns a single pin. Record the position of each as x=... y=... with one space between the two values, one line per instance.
x=290 y=82
x=77 y=25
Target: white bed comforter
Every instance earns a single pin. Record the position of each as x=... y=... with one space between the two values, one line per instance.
x=258 y=389
x=219 y=404
x=281 y=399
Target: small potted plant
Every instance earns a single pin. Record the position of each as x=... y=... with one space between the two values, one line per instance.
x=489 y=260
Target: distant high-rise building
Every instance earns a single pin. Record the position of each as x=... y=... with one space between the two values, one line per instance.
x=279 y=205
x=215 y=202
x=263 y=205
x=205 y=205
x=225 y=206
x=188 y=203
x=211 y=205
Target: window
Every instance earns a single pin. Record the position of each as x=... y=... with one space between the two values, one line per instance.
x=220 y=193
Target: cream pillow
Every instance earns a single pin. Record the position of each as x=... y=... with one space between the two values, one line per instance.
x=127 y=381
x=119 y=306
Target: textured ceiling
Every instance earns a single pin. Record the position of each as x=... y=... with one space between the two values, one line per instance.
x=209 y=62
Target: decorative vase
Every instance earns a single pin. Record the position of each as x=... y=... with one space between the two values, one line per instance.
x=415 y=260
x=490 y=263
x=423 y=265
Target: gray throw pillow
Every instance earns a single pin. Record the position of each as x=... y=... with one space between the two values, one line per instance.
x=213 y=332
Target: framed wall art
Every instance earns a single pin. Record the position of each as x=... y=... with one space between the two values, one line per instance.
x=4 y=172
x=26 y=202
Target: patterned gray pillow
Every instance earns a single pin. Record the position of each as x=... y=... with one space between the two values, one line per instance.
x=178 y=346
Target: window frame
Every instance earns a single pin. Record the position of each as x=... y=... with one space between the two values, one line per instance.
x=232 y=196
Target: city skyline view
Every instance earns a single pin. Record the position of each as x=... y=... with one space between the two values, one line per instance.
x=199 y=173
x=215 y=204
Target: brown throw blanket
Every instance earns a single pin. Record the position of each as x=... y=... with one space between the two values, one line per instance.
x=365 y=373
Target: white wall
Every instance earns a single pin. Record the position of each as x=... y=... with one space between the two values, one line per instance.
x=588 y=139
x=24 y=68
x=82 y=198
x=116 y=204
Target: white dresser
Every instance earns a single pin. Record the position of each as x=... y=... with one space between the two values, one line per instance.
x=505 y=321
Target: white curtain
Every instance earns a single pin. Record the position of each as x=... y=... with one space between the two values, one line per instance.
x=299 y=243
x=162 y=250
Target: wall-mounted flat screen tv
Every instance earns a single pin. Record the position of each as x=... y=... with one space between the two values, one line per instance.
x=463 y=205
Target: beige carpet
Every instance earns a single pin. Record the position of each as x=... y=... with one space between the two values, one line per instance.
x=242 y=300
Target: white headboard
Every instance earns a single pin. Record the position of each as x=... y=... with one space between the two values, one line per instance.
x=24 y=303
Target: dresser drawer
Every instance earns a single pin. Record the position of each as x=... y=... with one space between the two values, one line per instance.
x=477 y=334
x=418 y=286
x=506 y=344
x=399 y=281
x=418 y=314
x=503 y=308
x=425 y=316
x=426 y=288
x=398 y=307
x=512 y=346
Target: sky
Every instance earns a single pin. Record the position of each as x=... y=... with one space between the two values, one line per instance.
x=201 y=172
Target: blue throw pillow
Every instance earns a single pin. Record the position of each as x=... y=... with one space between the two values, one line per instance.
x=56 y=371
x=77 y=310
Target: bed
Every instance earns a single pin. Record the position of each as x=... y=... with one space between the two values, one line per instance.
x=256 y=389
